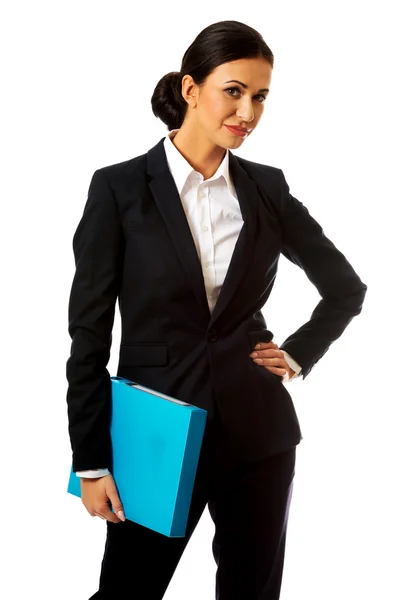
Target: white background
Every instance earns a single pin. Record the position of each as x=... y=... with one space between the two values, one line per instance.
x=77 y=81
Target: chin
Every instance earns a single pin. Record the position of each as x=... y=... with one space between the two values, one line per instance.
x=231 y=141
x=236 y=142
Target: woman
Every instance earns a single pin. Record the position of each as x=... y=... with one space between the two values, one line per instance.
x=187 y=237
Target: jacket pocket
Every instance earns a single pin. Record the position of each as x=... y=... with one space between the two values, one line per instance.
x=143 y=355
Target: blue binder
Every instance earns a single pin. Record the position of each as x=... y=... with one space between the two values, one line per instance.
x=156 y=443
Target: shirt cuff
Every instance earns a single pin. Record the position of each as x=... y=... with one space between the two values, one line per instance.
x=293 y=365
x=92 y=473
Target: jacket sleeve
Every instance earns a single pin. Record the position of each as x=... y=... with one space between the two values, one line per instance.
x=98 y=246
x=341 y=289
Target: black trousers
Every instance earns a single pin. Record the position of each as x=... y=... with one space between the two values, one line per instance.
x=249 y=504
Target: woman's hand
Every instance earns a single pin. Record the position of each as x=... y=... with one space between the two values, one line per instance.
x=97 y=493
x=269 y=356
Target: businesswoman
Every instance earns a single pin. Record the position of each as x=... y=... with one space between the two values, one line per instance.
x=187 y=238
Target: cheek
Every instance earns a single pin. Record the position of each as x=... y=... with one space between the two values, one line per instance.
x=218 y=108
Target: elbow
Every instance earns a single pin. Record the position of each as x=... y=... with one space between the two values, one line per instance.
x=354 y=303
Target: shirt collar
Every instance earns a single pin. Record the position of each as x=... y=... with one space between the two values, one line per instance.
x=181 y=169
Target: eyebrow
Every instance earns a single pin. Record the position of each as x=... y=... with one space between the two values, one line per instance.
x=244 y=85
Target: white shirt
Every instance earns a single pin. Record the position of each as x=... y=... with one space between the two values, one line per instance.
x=213 y=213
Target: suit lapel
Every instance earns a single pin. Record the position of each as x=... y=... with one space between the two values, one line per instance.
x=163 y=188
x=248 y=198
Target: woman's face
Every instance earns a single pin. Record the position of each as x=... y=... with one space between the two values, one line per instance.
x=221 y=101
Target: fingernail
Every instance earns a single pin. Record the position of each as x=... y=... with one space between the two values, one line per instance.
x=258 y=346
x=121 y=515
x=257 y=360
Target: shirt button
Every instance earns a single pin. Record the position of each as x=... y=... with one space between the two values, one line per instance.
x=212 y=335
x=206 y=263
x=201 y=194
x=204 y=228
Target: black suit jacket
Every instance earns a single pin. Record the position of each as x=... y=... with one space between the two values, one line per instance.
x=133 y=243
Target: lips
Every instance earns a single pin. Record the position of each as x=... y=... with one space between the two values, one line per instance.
x=237 y=131
x=242 y=129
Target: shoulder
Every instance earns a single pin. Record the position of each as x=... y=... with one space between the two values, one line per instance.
x=266 y=176
x=257 y=167
x=124 y=172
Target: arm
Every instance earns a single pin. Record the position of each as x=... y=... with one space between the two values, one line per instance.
x=98 y=249
x=341 y=289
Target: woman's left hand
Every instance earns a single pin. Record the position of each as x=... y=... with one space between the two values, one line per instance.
x=269 y=356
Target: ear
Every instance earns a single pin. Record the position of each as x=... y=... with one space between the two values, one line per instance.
x=190 y=90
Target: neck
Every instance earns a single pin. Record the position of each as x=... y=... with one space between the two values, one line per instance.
x=203 y=155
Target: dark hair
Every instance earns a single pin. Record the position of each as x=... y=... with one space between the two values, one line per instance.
x=218 y=43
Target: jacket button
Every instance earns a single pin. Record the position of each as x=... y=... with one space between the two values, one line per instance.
x=212 y=335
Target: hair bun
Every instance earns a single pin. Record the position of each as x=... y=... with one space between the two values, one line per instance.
x=167 y=102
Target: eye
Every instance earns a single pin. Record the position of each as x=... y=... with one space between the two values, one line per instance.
x=263 y=98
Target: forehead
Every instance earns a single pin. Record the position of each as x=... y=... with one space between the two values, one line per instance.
x=255 y=72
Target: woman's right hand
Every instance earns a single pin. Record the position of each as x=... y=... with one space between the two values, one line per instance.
x=97 y=493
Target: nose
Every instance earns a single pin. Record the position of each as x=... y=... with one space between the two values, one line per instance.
x=246 y=111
